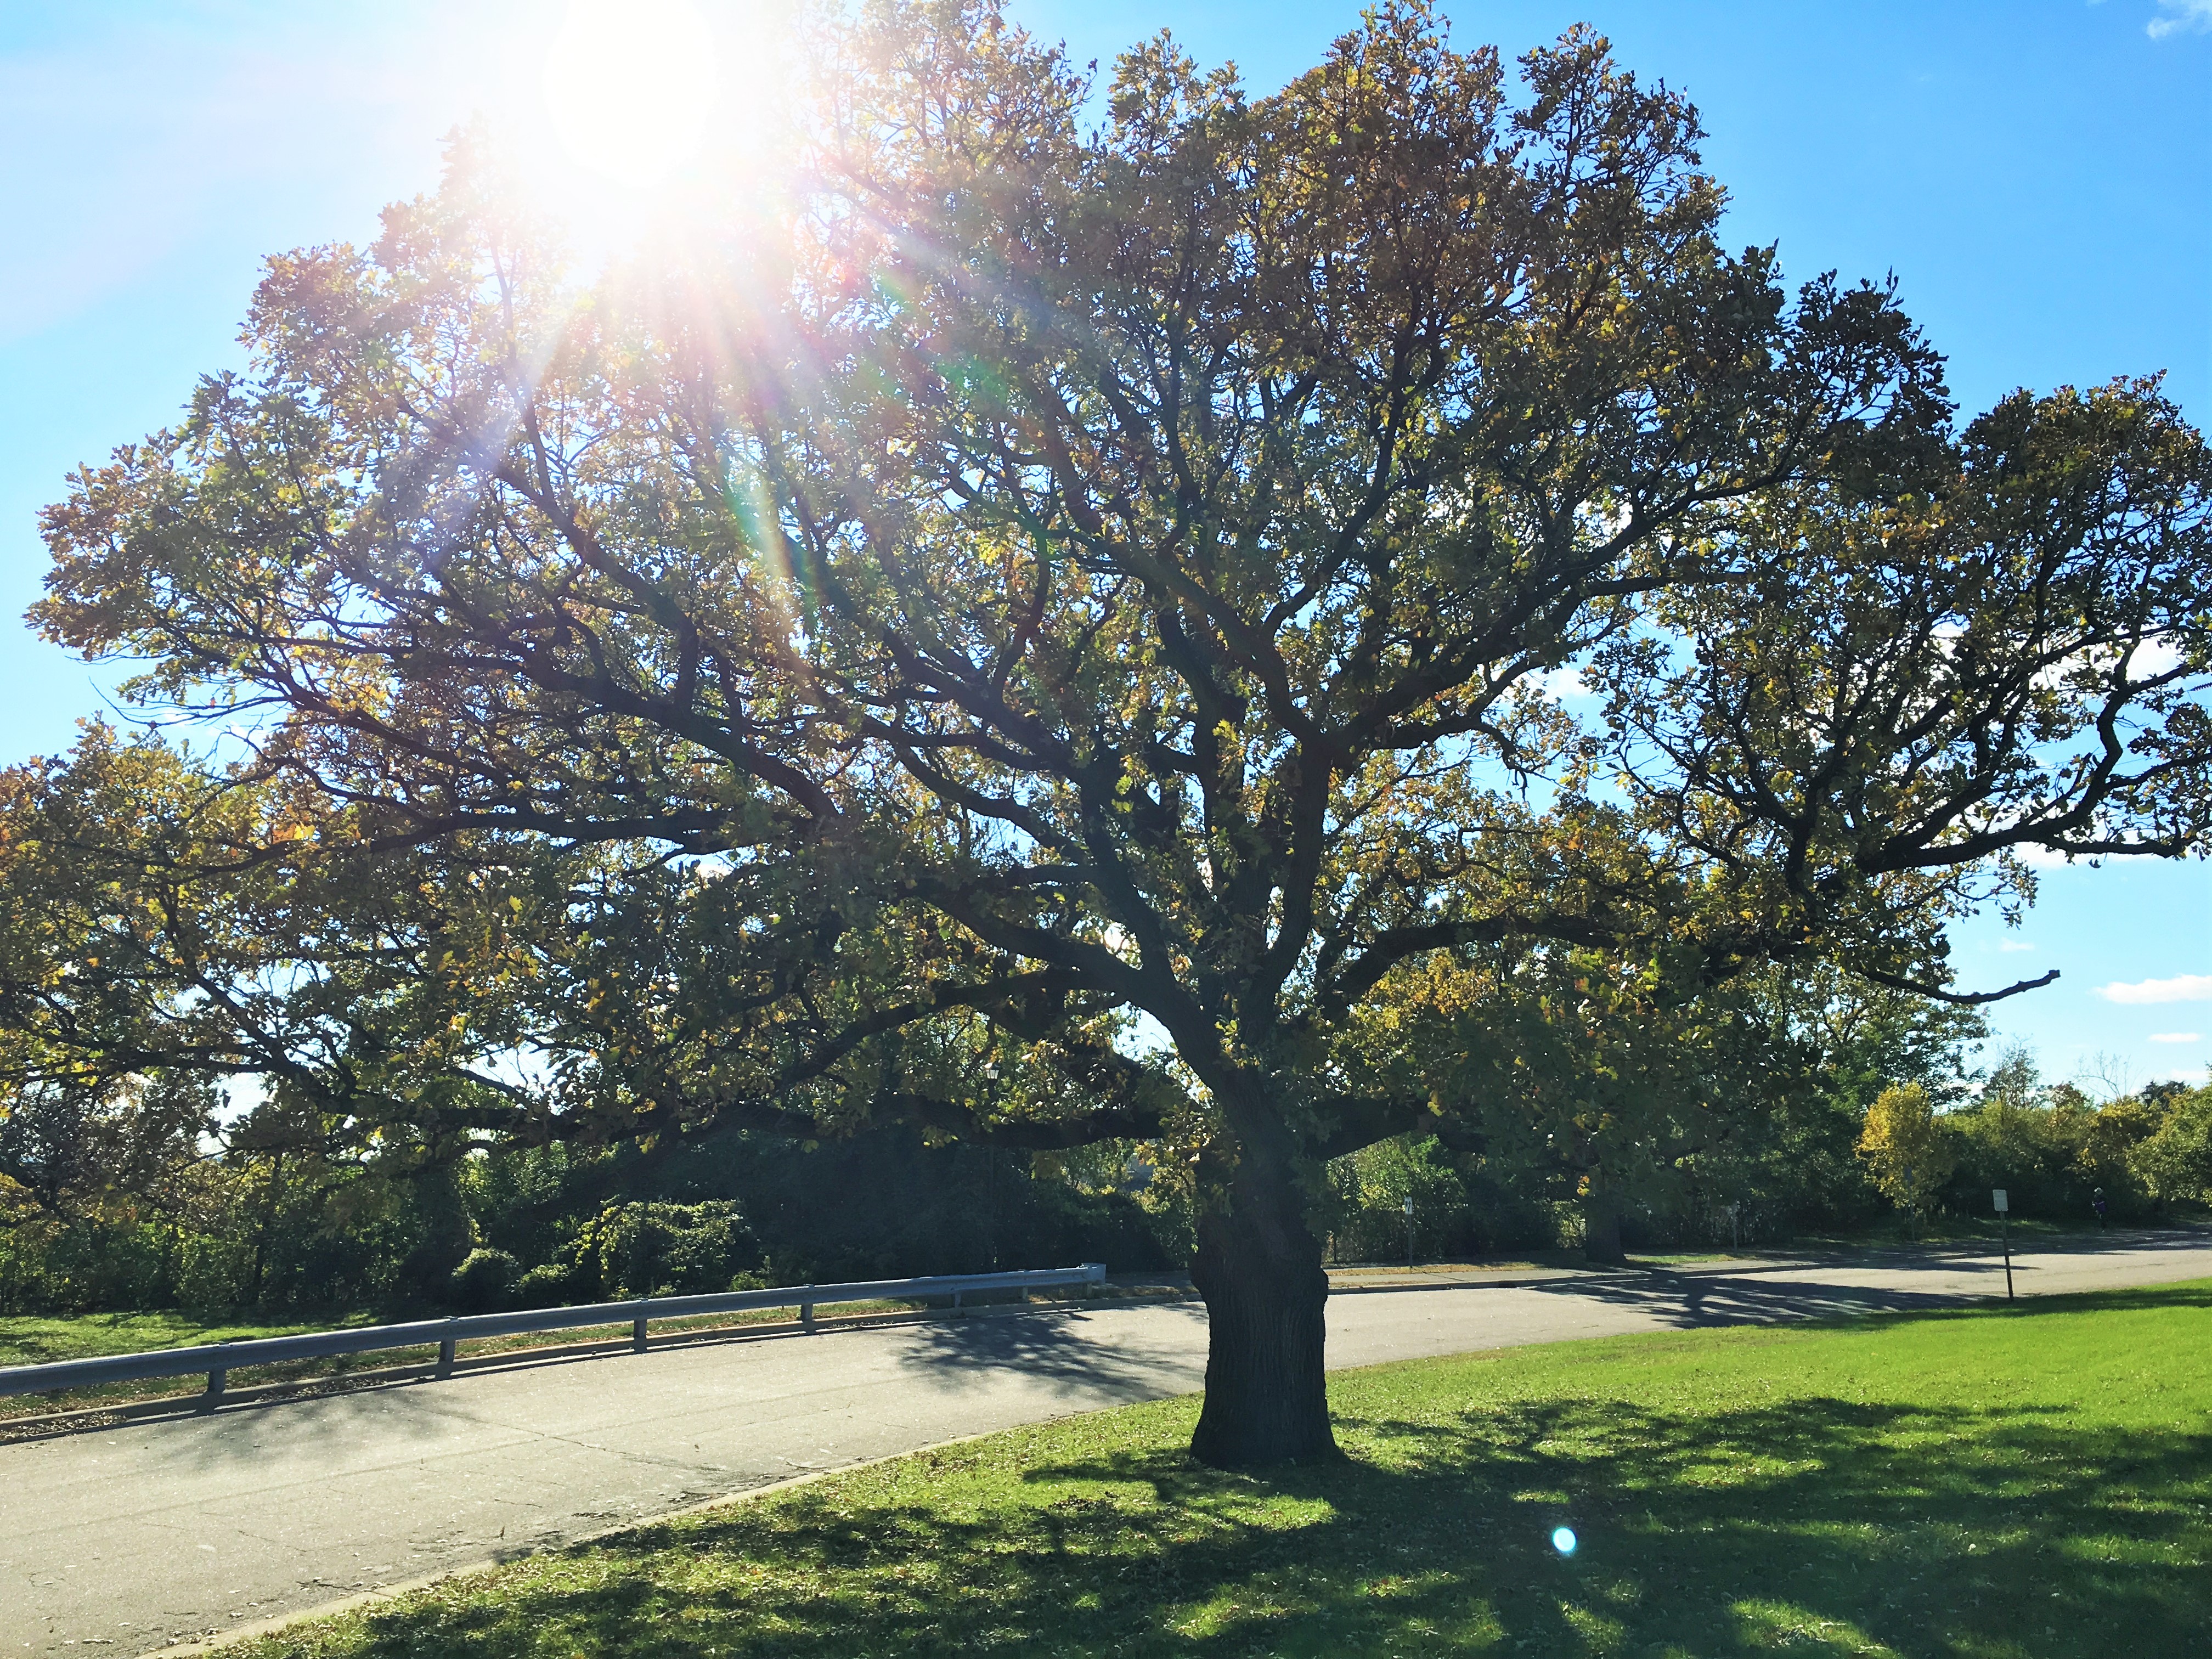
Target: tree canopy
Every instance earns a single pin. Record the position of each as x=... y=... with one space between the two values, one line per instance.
x=1069 y=610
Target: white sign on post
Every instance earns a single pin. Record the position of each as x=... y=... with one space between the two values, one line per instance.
x=2004 y=1203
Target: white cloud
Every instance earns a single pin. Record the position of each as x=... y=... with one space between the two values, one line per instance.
x=2012 y=945
x=2179 y=17
x=2159 y=654
x=2185 y=988
x=2175 y=1037
x=1568 y=682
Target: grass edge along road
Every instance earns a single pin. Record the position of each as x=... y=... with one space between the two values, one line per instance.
x=1988 y=1482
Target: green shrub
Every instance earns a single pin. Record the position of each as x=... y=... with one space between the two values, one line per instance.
x=2052 y=1148
x=485 y=1280
x=549 y=1285
x=86 y=1263
x=2175 y=1161
x=1459 y=1207
x=650 y=1248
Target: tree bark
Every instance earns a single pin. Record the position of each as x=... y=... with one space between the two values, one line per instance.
x=1601 y=1223
x=1259 y=1268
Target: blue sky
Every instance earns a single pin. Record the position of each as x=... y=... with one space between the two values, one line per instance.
x=2038 y=175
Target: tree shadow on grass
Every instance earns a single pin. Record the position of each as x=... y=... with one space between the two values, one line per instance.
x=1825 y=1525
x=2195 y=1294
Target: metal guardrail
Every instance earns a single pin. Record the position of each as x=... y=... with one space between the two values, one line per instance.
x=217 y=1358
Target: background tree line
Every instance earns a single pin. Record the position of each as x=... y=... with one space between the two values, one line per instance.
x=152 y=1201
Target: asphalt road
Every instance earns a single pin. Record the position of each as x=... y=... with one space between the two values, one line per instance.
x=133 y=1538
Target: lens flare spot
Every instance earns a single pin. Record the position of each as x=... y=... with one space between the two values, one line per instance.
x=1563 y=1540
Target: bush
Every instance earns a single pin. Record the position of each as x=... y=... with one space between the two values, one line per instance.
x=649 y=1249
x=2175 y=1162
x=485 y=1281
x=883 y=1204
x=1908 y=1151
x=1460 y=1207
x=549 y=1285
x=2051 y=1149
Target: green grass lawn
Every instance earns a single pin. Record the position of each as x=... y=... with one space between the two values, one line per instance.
x=2021 y=1482
x=39 y=1339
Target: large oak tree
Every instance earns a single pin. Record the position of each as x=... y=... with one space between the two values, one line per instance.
x=1048 y=610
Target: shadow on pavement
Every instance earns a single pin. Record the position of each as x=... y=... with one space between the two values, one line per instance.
x=1948 y=1252
x=1690 y=1306
x=1073 y=1350
x=1690 y=1303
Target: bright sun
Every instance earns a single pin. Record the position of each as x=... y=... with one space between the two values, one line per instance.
x=630 y=85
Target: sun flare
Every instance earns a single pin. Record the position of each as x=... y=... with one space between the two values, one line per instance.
x=631 y=86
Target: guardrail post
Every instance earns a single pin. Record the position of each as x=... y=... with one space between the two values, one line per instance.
x=957 y=1307
x=637 y=1330
x=806 y=1313
x=218 y=1377
x=445 y=1357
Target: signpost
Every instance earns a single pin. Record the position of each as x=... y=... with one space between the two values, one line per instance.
x=2004 y=1231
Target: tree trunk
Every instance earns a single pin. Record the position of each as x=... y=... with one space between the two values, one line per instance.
x=261 y=1234
x=1601 y=1223
x=1259 y=1268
